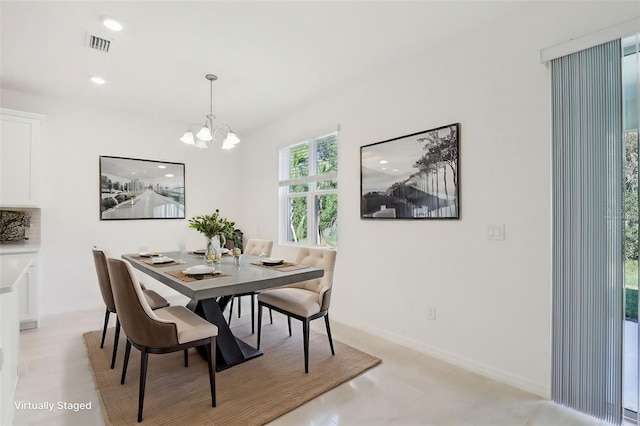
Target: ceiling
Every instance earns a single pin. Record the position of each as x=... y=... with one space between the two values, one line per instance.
x=270 y=57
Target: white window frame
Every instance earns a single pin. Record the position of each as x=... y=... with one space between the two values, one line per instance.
x=311 y=180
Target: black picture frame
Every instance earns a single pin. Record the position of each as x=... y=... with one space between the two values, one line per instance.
x=412 y=177
x=134 y=188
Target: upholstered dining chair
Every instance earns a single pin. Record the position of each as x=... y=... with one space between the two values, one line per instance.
x=154 y=299
x=306 y=300
x=254 y=247
x=166 y=330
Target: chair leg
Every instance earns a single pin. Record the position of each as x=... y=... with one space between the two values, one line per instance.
x=305 y=332
x=231 y=309
x=259 y=323
x=115 y=344
x=211 y=360
x=127 y=352
x=144 y=360
x=326 y=322
x=271 y=315
x=104 y=329
x=239 y=305
x=253 y=313
x=186 y=357
x=289 y=322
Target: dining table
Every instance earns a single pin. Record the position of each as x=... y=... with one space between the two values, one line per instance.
x=209 y=294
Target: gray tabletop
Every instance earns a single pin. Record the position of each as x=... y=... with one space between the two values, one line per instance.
x=239 y=279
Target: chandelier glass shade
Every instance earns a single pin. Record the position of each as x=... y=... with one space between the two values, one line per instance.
x=207 y=132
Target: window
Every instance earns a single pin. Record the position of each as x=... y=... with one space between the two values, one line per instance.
x=309 y=192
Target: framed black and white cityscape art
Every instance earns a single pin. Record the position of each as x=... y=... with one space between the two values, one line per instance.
x=412 y=177
x=132 y=188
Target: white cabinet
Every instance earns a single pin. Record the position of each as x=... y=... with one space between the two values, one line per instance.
x=12 y=278
x=20 y=158
x=27 y=293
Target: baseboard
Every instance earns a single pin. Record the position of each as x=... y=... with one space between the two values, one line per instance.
x=69 y=308
x=173 y=299
x=26 y=325
x=452 y=358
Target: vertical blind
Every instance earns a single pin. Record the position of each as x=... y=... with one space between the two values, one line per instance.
x=587 y=246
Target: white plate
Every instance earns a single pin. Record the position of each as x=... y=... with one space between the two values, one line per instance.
x=149 y=254
x=271 y=261
x=161 y=259
x=199 y=270
x=203 y=251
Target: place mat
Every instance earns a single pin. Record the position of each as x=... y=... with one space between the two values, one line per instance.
x=249 y=394
x=191 y=278
x=155 y=265
x=283 y=267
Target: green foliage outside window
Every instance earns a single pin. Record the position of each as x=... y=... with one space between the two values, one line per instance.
x=631 y=196
x=324 y=206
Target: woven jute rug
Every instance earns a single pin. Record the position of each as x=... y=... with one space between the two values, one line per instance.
x=253 y=393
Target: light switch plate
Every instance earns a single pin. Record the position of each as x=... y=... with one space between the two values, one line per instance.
x=495 y=232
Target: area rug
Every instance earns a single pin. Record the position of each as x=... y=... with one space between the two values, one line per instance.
x=253 y=393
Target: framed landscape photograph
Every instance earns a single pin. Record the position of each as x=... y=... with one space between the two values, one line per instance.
x=132 y=188
x=411 y=177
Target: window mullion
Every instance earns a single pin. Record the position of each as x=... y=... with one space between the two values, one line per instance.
x=311 y=207
x=312 y=226
x=313 y=168
x=307 y=179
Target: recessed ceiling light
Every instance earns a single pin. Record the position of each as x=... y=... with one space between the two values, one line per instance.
x=112 y=23
x=168 y=175
x=383 y=161
x=98 y=80
x=162 y=167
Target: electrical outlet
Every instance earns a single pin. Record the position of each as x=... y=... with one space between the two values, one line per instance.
x=431 y=313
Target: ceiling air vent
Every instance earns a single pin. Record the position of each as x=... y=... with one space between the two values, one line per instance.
x=98 y=43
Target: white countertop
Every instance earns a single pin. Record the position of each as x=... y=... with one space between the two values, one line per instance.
x=19 y=247
x=11 y=270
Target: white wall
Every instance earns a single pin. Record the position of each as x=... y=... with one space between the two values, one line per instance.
x=74 y=137
x=492 y=297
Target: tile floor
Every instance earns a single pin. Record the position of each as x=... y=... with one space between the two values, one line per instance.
x=408 y=388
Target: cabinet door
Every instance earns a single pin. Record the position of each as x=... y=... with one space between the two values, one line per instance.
x=19 y=150
x=27 y=300
x=27 y=292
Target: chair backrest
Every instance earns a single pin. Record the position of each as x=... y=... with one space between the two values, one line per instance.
x=255 y=247
x=318 y=258
x=140 y=324
x=100 y=259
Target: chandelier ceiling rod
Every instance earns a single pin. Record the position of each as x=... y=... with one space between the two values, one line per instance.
x=211 y=79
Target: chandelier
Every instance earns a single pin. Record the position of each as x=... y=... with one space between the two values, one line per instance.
x=207 y=133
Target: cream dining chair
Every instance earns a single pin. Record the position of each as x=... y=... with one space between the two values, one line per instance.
x=154 y=299
x=254 y=247
x=165 y=330
x=306 y=300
